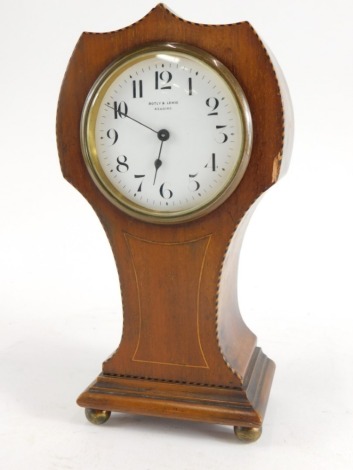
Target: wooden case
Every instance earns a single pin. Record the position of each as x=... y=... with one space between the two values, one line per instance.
x=185 y=351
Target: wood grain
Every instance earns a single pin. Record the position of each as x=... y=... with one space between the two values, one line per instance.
x=192 y=331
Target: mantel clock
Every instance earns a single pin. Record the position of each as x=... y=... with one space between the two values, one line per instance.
x=172 y=130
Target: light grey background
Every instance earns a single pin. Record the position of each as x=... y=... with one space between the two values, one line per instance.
x=60 y=313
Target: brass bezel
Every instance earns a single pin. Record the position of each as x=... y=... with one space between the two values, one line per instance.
x=88 y=122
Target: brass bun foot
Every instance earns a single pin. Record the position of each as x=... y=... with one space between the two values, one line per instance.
x=247 y=434
x=97 y=416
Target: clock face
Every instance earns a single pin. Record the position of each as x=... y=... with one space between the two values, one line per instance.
x=166 y=133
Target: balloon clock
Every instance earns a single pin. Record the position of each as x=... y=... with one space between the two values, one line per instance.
x=172 y=130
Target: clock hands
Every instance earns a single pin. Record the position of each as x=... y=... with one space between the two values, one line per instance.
x=162 y=135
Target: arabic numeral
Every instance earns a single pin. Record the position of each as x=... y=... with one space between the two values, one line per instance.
x=193 y=184
x=222 y=137
x=137 y=90
x=190 y=86
x=213 y=104
x=165 y=193
x=120 y=109
x=162 y=79
x=113 y=135
x=122 y=166
x=139 y=189
x=212 y=163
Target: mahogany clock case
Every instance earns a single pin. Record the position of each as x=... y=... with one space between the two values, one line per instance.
x=185 y=351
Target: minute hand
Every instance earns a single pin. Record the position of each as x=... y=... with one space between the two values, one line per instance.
x=138 y=122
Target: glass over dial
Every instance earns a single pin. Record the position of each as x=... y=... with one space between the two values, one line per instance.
x=166 y=133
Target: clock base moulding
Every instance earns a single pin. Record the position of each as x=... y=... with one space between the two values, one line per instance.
x=239 y=407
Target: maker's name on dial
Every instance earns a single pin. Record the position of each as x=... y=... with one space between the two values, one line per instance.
x=162 y=105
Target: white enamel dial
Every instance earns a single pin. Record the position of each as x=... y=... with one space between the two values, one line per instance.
x=166 y=133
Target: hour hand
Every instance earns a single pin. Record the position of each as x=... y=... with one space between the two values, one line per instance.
x=158 y=162
x=162 y=135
